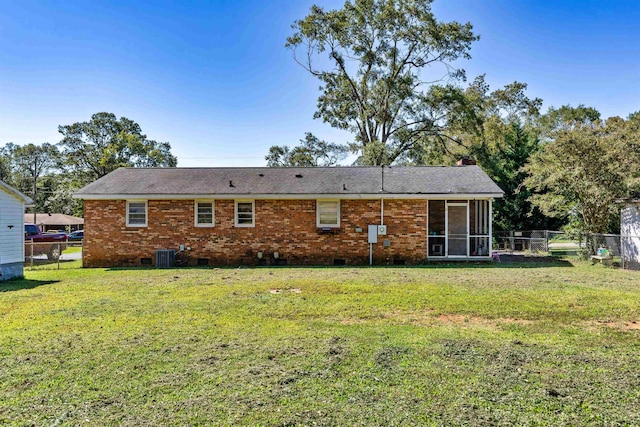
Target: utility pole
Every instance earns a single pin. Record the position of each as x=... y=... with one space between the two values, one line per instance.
x=35 y=187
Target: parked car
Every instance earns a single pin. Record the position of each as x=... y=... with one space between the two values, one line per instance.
x=56 y=232
x=76 y=236
x=39 y=243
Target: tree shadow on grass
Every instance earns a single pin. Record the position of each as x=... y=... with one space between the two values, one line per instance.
x=21 y=284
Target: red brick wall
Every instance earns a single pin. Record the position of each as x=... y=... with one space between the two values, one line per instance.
x=284 y=226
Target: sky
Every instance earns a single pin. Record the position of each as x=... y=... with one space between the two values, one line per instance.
x=214 y=79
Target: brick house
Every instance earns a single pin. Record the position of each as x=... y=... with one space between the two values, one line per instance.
x=289 y=216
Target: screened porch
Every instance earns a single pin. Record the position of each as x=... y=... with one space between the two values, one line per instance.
x=459 y=229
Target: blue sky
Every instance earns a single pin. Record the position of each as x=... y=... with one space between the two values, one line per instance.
x=215 y=80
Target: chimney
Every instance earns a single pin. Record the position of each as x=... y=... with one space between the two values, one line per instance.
x=466 y=161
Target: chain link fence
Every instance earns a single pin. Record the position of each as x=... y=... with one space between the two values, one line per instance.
x=623 y=247
x=52 y=254
x=534 y=241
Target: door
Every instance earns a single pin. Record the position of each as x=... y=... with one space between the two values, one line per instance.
x=457 y=229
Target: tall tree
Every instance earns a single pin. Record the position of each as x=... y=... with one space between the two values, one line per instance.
x=504 y=162
x=499 y=128
x=475 y=120
x=32 y=162
x=371 y=58
x=6 y=163
x=311 y=152
x=587 y=168
x=93 y=149
x=60 y=198
x=567 y=117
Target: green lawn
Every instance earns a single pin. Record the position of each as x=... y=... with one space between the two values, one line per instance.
x=73 y=249
x=501 y=344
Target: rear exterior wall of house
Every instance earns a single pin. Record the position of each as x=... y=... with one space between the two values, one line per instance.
x=287 y=227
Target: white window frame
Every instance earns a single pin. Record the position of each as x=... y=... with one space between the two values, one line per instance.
x=195 y=213
x=146 y=213
x=318 y=224
x=253 y=212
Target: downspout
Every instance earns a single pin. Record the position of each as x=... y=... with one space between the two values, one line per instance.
x=381 y=199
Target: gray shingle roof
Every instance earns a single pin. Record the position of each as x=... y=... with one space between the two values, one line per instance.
x=293 y=181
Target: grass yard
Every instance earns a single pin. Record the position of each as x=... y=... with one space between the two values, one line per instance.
x=536 y=344
x=73 y=249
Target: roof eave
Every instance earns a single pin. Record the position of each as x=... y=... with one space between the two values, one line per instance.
x=23 y=198
x=451 y=196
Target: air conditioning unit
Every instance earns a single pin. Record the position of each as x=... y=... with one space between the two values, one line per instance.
x=165 y=258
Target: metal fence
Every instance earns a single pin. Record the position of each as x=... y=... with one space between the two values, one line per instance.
x=51 y=253
x=523 y=241
x=625 y=247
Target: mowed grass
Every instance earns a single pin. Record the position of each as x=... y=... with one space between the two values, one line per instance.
x=537 y=344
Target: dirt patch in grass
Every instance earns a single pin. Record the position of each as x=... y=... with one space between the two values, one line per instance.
x=623 y=326
x=457 y=319
x=433 y=318
x=279 y=291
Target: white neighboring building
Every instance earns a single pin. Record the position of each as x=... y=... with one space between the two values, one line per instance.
x=11 y=231
x=630 y=235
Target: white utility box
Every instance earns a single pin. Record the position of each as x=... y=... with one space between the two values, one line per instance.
x=373 y=234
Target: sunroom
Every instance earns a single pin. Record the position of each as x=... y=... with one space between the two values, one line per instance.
x=459 y=229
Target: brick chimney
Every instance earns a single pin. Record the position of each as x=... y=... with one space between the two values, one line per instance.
x=466 y=161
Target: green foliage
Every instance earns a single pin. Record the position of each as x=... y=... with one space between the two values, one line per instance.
x=61 y=200
x=310 y=153
x=6 y=159
x=499 y=129
x=586 y=169
x=371 y=57
x=103 y=144
x=28 y=167
x=441 y=345
x=567 y=117
x=477 y=119
x=30 y=162
x=89 y=150
x=504 y=163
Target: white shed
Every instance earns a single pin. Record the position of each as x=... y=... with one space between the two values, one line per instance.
x=630 y=235
x=11 y=231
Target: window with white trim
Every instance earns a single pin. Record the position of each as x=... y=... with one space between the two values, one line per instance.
x=204 y=213
x=328 y=213
x=245 y=210
x=136 y=213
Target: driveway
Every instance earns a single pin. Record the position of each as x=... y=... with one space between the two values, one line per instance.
x=71 y=256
